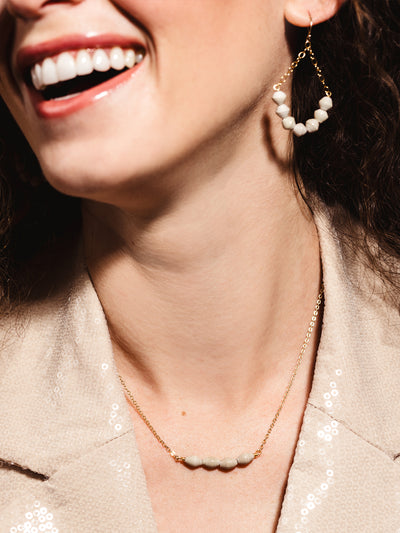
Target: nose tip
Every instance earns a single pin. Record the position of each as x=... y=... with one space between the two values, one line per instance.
x=31 y=9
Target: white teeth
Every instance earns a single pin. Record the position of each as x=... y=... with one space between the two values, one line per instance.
x=84 y=63
x=101 y=61
x=66 y=68
x=37 y=76
x=139 y=57
x=130 y=58
x=49 y=72
x=117 y=59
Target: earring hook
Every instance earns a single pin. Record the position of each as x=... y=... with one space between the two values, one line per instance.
x=308 y=39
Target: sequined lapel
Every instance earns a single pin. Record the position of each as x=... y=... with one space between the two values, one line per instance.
x=346 y=474
x=70 y=447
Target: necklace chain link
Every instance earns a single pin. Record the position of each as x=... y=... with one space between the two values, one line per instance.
x=258 y=452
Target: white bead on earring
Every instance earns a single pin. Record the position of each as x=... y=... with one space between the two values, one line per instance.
x=325 y=103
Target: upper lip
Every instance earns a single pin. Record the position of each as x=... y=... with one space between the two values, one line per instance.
x=29 y=55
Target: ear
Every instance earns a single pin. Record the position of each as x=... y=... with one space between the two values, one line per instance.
x=298 y=12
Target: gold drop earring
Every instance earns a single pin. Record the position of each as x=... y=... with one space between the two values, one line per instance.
x=279 y=97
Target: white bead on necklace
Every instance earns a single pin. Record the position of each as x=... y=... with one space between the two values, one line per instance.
x=224 y=464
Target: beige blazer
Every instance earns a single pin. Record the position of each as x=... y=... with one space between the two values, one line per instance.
x=68 y=457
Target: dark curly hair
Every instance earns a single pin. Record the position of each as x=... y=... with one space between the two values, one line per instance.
x=352 y=164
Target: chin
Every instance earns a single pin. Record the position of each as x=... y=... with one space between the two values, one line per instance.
x=91 y=185
x=81 y=168
x=108 y=180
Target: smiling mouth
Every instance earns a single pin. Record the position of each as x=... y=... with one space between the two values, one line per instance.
x=73 y=72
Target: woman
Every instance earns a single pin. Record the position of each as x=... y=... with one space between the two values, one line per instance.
x=194 y=273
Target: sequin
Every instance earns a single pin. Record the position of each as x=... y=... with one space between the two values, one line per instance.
x=326 y=434
x=35 y=520
x=122 y=471
x=78 y=308
x=115 y=420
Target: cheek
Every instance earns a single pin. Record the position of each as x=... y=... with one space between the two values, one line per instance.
x=219 y=59
x=222 y=39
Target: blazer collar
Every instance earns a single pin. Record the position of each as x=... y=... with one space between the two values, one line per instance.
x=359 y=353
x=66 y=415
x=59 y=386
x=345 y=470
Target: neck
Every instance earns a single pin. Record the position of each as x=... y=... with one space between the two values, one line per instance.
x=210 y=298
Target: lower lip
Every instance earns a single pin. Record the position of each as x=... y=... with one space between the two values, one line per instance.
x=61 y=108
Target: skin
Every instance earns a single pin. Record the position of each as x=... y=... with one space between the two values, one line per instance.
x=203 y=256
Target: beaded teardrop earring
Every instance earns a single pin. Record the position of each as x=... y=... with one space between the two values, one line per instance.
x=279 y=97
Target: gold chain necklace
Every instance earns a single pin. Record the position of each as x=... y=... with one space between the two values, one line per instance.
x=245 y=458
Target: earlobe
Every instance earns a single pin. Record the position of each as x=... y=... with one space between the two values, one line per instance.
x=297 y=12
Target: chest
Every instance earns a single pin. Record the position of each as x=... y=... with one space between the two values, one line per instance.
x=243 y=499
